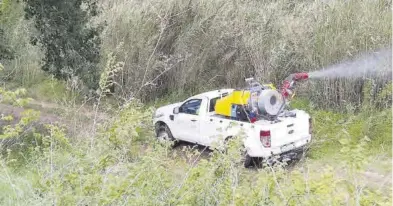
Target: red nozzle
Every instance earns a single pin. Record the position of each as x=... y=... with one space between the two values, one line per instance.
x=300 y=76
x=288 y=83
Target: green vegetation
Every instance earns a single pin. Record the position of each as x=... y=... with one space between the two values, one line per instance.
x=123 y=164
x=71 y=47
x=199 y=45
x=91 y=142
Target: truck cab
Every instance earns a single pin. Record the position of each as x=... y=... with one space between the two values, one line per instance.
x=187 y=120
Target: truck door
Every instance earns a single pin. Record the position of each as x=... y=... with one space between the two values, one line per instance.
x=212 y=128
x=187 y=121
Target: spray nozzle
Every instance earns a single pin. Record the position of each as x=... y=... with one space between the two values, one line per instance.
x=300 y=76
x=289 y=83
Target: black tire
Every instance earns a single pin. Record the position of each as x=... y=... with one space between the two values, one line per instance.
x=224 y=148
x=248 y=161
x=163 y=133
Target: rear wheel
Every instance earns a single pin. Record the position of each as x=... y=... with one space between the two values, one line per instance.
x=247 y=161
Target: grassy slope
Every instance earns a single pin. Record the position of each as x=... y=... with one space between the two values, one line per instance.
x=126 y=164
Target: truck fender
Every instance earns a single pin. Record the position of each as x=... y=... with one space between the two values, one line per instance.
x=158 y=124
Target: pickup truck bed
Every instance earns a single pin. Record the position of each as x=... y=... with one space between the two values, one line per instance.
x=286 y=133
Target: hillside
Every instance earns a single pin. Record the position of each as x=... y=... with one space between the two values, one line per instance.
x=76 y=125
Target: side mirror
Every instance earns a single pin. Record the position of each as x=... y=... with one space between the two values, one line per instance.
x=176 y=110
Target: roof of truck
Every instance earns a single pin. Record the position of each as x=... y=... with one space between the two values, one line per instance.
x=211 y=94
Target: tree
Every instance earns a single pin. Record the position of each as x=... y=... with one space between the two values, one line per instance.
x=71 y=44
x=6 y=51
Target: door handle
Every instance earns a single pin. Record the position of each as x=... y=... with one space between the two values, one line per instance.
x=193 y=120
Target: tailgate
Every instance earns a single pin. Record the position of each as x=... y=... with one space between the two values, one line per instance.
x=289 y=130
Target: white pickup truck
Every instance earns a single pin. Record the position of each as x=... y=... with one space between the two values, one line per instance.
x=194 y=120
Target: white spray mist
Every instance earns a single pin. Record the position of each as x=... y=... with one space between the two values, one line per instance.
x=378 y=63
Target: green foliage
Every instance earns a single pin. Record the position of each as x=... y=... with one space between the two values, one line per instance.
x=53 y=90
x=352 y=124
x=107 y=83
x=16 y=53
x=125 y=165
x=5 y=50
x=121 y=134
x=28 y=117
x=70 y=44
x=14 y=97
x=330 y=127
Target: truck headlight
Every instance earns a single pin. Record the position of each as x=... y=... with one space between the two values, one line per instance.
x=158 y=115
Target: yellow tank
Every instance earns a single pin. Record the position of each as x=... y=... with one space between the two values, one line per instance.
x=237 y=97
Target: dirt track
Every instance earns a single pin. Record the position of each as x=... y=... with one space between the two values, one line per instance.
x=16 y=112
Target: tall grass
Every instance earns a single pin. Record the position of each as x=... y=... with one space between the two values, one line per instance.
x=24 y=68
x=183 y=47
x=199 y=45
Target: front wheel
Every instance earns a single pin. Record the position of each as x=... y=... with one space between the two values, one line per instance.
x=163 y=134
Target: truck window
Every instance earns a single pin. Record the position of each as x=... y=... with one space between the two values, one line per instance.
x=191 y=107
x=213 y=101
x=213 y=104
